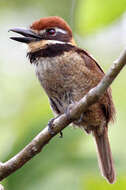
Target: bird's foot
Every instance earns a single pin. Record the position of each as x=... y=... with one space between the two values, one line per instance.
x=68 y=110
x=61 y=134
x=50 y=127
x=80 y=120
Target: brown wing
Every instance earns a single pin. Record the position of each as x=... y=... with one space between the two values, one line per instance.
x=106 y=102
x=90 y=61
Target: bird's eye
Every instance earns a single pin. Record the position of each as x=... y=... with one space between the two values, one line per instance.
x=51 y=31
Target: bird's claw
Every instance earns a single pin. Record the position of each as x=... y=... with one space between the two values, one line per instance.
x=67 y=111
x=50 y=126
x=61 y=134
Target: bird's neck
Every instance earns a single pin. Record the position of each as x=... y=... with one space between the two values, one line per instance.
x=49 y=50
x=34 y=46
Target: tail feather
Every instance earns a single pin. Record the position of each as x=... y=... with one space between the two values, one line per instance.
x=105 y=156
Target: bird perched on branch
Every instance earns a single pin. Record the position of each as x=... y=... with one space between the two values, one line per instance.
x=67 y=73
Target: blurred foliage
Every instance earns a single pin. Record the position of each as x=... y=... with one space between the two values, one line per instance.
x=94 y=14
x=70 y=162
x=89 y=15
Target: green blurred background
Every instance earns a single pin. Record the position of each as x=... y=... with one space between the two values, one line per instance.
x=69 y=163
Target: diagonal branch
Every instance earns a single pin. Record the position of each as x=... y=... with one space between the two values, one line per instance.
x=36 y=145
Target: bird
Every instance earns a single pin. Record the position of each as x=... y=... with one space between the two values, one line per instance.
x=67 y=73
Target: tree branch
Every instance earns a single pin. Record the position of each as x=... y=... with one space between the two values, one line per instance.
x=36 y=145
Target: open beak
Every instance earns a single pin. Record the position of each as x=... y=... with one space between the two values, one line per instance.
x=28 y=35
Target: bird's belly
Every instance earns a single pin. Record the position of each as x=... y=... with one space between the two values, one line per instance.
x=48 y=71
x=55 y=83
x=65 y=82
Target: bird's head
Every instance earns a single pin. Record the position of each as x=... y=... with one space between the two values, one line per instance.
x=48 y=30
